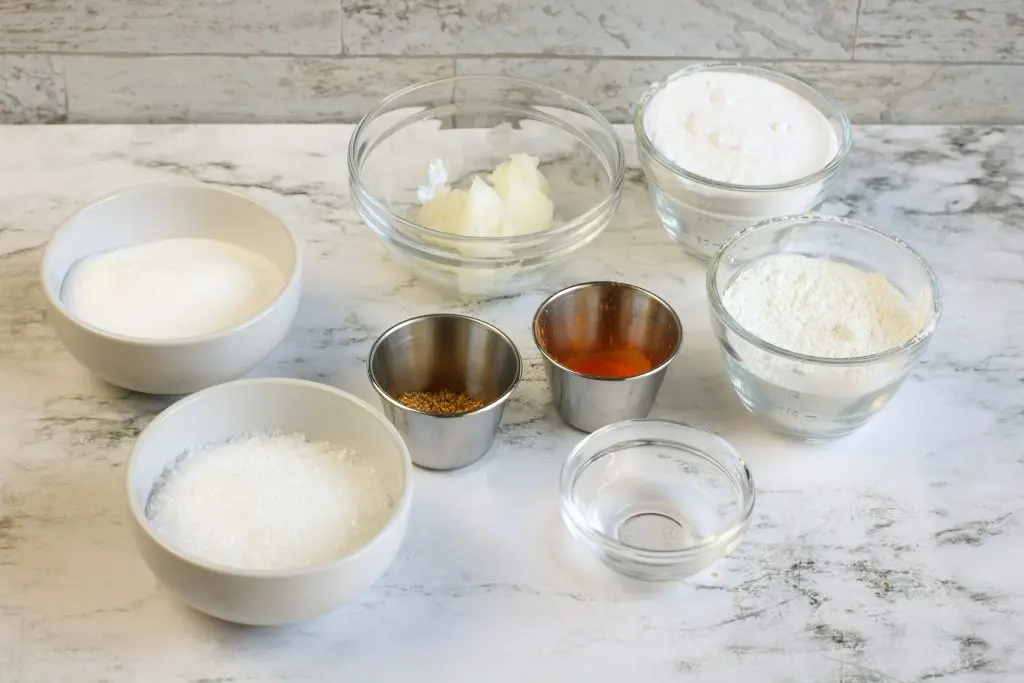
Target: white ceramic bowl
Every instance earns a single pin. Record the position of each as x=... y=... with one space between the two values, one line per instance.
x=219 y=413
x=159 y=211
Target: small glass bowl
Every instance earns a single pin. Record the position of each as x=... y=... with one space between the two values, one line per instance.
x=656 y=500
x=700 y=213
x=807 y=397
x=471 y=124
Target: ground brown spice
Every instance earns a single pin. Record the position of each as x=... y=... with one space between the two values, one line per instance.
x=443 y=402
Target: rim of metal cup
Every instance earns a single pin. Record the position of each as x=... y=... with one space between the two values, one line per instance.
x=617 y=165
x=604 y=283
x=402 y=504
x=383 y=393
x=54 y=298
x=640 y=129
x=718 y=306
x=573 y=466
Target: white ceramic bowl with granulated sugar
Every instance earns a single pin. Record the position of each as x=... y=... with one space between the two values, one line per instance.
x=249 y=406
x=158 y=211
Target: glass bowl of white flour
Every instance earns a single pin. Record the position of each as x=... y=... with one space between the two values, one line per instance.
x=819 y=319
x=726 y=146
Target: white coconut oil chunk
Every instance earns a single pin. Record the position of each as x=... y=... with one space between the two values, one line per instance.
x=512 y=201
x=172 y=288
x=739 y=129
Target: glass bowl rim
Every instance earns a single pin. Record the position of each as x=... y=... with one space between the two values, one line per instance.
x=644 y=141
x=919 y=339
x=609 y=201
x=742 y=479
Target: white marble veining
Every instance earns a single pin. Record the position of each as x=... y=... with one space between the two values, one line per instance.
x=892 y=556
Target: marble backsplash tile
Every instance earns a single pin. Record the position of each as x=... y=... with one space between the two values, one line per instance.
x=899 y=61
x=808 y=29
x=157 y=27
x=869 y=93
x=32 y=89
x=941 y=30
x=243 y=89
x=314 y=89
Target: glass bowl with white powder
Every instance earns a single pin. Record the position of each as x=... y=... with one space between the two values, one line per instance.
x=483 y=185
x=724 y=146
x=819 y=320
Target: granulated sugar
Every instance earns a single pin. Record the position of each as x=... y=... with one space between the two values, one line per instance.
x=171 y=288
x=270 y=501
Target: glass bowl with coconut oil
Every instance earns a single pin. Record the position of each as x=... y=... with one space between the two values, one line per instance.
x=819 y=320
x=656 y=500
x=724 y=146
x=449 y=139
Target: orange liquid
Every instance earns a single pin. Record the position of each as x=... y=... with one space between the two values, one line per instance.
x=614 y=363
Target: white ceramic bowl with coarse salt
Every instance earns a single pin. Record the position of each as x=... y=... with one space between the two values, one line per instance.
x=169 y=288
x=177 y=538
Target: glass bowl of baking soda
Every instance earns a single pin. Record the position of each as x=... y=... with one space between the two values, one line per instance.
x=724 y=146
x=819 y=319
x=483 y=185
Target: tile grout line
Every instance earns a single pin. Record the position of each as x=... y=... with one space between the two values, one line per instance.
x=341 y=27
x=67 y=90
x=856 y=32
x=511 y=57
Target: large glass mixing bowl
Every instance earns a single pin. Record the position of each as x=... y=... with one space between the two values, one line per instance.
x=469 y=125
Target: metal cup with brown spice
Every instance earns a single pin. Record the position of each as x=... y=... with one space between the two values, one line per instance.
x=443 y=381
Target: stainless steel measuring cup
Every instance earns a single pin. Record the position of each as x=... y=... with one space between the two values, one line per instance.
x=599 y=316
x=445 y=351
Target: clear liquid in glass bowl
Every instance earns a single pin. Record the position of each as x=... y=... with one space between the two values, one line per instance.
x=655 y=499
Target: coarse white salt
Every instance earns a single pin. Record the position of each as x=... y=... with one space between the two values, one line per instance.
x=270 y=501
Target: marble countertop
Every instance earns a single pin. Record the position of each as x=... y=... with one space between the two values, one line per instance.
x=893 y=555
